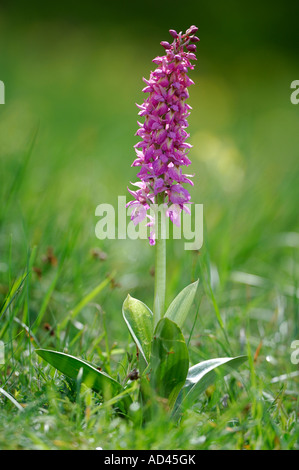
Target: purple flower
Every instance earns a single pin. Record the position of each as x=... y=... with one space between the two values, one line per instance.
x=178 y=195
x=162 y=151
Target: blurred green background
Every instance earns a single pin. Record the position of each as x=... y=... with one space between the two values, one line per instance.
x=73 y=73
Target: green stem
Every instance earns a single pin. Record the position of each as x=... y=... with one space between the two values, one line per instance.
x=160 y=271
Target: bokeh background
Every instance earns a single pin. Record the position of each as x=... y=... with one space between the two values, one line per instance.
x=73 y=73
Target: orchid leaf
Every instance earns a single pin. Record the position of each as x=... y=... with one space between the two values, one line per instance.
x=169 y=360
x=93 y=378
x=180 y=307
x=202 y=375
x=139 y=320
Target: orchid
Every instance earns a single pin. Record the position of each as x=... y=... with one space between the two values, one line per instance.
x=163 y=150
x=160 y=369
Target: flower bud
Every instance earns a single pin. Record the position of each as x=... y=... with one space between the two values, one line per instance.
x=165 y=44
x=173 y=33
x=191 y=30
x=191 y=47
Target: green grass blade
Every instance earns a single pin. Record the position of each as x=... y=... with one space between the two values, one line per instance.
x=17 y=286
x=19 y=177
x=45 y=302
x=7 y=395
x=87 y=299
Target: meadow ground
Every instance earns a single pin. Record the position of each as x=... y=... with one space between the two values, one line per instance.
x=67 y=136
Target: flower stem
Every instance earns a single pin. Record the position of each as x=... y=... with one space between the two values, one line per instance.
x=160 y=270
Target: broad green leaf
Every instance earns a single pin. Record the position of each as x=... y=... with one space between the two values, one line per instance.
x=179 y=308
x=99 y=381
x=139 y=320
x=169 y=360
x=202 y=375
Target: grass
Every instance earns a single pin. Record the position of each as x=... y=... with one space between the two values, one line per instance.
x=67 y=136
